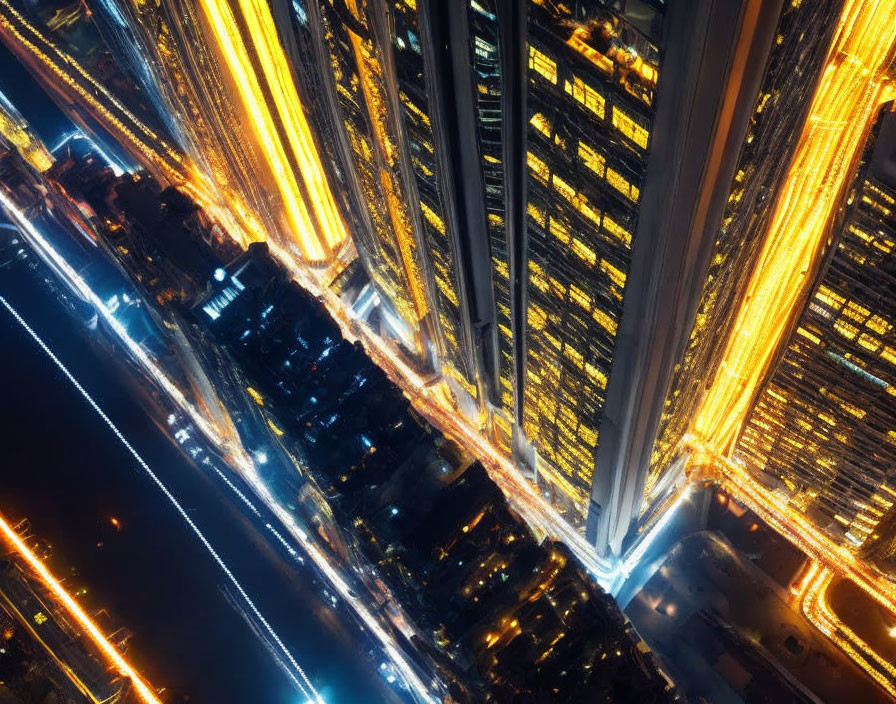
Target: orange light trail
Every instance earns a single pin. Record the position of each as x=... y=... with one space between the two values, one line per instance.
x=76 y=83
x=236 y=55
x=145 y=692
x=817 y=610
x=840 y=116
x=273 y=62
x=802 y=532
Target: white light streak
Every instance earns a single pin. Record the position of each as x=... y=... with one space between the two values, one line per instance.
x=235 y=452
x=296 y=673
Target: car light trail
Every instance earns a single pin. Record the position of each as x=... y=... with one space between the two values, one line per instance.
x=236 y=55
x=117 y=168
x=71 y=73
x=73 y=279
x=815 y=607
x=634 y=556
x=797 y=528
x=257 y=15
x=841 y=113
x=69 y=78
x=144 y=691
x=535 y=510
x=295 y=672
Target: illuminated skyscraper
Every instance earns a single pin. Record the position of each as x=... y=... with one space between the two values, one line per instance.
x=802 y=40
x=536 y=191
x=824 y=424
x=225 y=87
x=636 y=117
x=731 y=392
x=522 y=164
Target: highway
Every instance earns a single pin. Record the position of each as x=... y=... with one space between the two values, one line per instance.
x=812 y=597
x=85 y=660
x=226 y=443
x=316 y=224
x=829 y=560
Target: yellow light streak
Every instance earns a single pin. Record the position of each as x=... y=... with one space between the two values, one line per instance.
x=275 y=66
x=840 y=116
x=144 y=691
x=167 y=163
x=227 y=36
x=817 y=611
x=791 y=523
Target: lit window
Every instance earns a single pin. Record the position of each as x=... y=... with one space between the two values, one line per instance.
x=580 y=297
x=888 y=354
x=541 y=123
x=617 y=230
x=559 y=230
x=590 y=158
x=564 y=189
x=878 y=325
x=808 y=335
x=848 y=330
x=631 y=129
x=543 y=64
x=581 y=250
x=432 y=218
x=605 y=321
x=621 y=184
x=617 y=276
x=538 y=168
x=586 y=95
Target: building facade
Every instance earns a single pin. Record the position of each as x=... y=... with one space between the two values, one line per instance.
x=803 y=36
x=504 y=152
x=824 y=425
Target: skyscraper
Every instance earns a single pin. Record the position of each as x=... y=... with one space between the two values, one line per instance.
x=505 y=151
x=824 y=424
x=803 y=38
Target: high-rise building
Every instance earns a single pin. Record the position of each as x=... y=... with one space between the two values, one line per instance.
x=540 y=193
x=228 y=91
x=824 y=424
x=803 y=38
x=749 y=383
x=536 y=189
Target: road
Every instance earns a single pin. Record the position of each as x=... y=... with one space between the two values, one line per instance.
x=723 y=628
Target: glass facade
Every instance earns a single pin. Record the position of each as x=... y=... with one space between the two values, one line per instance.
x=591 y=84
x=389 y=242
x=488 y=96
x=415 y=97
x=825 y=423
x=803 y=36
